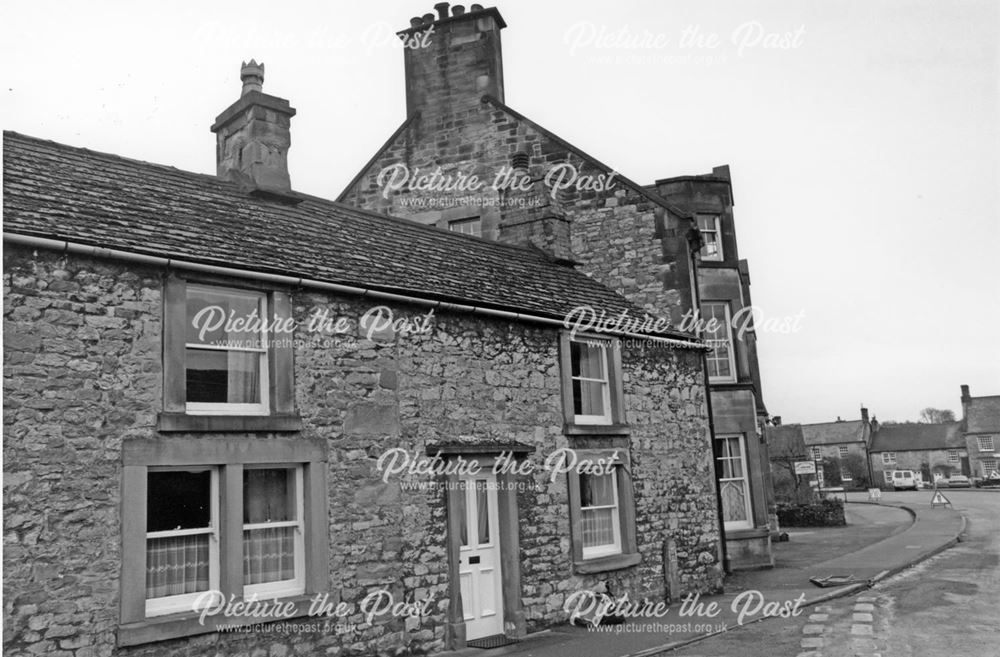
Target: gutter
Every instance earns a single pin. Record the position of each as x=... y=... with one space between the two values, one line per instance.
x=292 y=281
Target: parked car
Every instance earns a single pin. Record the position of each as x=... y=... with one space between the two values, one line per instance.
x=955 y=481
x=904 y=480
x=988 y=482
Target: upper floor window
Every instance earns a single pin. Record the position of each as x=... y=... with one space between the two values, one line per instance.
x=817 y=453
x=470 y=226
x=842 y=451
x=985 y=443
x=711 y=236
x=953 y=456
x=591 y=385
x=227 y=362
x=225 y=357
x=721 y=360
x=888 y=458
x=592 y=381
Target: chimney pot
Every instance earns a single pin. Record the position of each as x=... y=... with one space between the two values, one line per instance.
x=252 y=76
x=428 y=19
x=476 y=8
x=457 y=10
x=416 y=21
x=442 y=10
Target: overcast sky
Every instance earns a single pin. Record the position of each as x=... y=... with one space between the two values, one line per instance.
x=864 y=154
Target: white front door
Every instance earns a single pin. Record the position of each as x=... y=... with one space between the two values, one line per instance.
x=479 y=557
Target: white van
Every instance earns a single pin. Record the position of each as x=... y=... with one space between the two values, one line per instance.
x=904 y=480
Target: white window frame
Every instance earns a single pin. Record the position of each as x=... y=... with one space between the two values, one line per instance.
x=952 y=456
x=714 y=229
x=295 y=585
x=729 y=342
x=843 y=451
x=457 y=225
x=845 y=475
x=216 y=408
x=172 y=604
x=616 y=522
x=888 y=458
x=604 y=346
x=985 y=463
x=816 y=453
x=985 y=443
x=741 y=441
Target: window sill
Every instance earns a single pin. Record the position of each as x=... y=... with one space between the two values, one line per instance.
x=606 y=564
x=176 y=422
x=176 y=626
x=596 y=430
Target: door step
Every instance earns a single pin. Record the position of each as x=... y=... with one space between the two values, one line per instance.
x=495 y=641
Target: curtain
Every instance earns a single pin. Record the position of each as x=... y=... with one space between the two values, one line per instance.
x=244 y=377
x=176 y=565
x=268 y=554
x=734 y=505
x=597 y=523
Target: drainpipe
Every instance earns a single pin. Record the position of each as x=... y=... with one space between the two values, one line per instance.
x=723 y=552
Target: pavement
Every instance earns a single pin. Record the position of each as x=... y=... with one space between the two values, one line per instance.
x=879 y=541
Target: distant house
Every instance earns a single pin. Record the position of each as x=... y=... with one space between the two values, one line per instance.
x=981 y=432
x=930 y=449
x=840 y=441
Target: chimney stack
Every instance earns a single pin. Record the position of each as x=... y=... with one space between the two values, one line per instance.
x=966 y=402
x=253 y=135
x=864 y=414
x=451 y=62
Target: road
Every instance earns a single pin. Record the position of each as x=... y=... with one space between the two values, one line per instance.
x=946 y=606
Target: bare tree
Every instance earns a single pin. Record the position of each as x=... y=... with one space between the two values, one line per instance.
x=936 y=415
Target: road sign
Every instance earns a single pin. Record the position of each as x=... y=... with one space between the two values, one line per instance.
x=874 y=495
x=939 y=498
x=805 y=467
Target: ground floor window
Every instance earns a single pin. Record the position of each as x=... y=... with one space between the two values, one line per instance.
x=734 y=486
x=602 y=511
x=989 y=466
x=237 y=518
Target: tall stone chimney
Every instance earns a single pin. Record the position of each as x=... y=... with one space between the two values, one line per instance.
x=451 y=62
x=864 y=415
x=966 y=402
x=253 y=136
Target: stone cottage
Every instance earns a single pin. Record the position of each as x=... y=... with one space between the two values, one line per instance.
x=930 y=449
x=844 y=443
x=239 y=418
x=463 y=160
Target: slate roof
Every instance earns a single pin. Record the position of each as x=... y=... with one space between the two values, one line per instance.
x=785 y=441
x=60 y=192
x=833 y=433
x=983 y=415
x=913 y=436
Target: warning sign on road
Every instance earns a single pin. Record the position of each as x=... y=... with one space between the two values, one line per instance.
x=939 y=498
